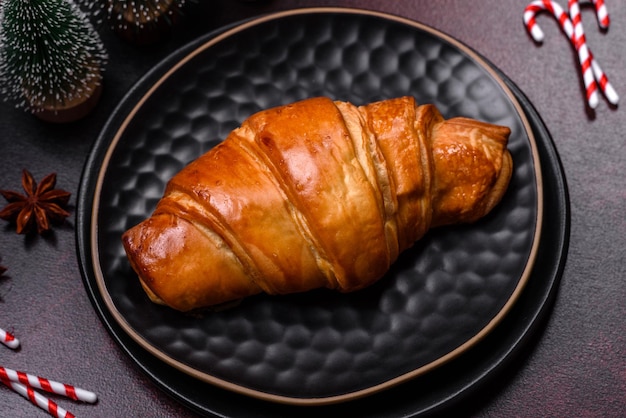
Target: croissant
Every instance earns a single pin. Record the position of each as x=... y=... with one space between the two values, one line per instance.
x=315 y=194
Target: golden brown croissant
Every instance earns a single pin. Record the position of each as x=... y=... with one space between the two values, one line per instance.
x=315 y=194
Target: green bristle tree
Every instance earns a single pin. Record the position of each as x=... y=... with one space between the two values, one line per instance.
x=50 y=54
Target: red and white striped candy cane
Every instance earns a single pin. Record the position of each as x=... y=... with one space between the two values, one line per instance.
x=537 y=6
x=579 y=41
x=8 y=339
x=572 y=27
x=566 y=25
x=39 y=400
x=51 y=386
x=577 y=37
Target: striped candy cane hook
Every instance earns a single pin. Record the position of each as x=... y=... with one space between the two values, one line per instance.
x=603 y=15
x=537 y=6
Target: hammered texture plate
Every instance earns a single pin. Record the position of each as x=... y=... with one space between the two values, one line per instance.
x=439 y=299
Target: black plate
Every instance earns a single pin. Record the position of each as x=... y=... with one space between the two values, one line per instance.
x=439 y=298
x=122 y=150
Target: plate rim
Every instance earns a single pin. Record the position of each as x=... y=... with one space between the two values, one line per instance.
x=238 y=388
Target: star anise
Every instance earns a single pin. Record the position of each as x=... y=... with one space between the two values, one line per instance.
x=41 y=204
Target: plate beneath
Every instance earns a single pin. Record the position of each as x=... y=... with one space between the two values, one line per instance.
x=440 y=299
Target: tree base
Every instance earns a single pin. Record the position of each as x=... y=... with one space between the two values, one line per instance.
x=72 y=110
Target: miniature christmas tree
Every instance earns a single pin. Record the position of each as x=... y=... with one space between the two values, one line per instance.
x=143 y=22
x=50 y=58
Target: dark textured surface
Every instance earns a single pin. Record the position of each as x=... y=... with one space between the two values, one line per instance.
x=572 y=367
x=439 y=294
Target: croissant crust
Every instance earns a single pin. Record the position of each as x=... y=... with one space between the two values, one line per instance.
x=315 y=194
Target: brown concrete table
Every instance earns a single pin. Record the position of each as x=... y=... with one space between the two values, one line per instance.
x=575 y=365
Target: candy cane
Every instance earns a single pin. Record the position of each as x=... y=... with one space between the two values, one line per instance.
x=568 y=28
x=51 y=386
x=578 y=38
x=8 y=339
x=536 y=6
x=573 y=29
x=37 y=399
